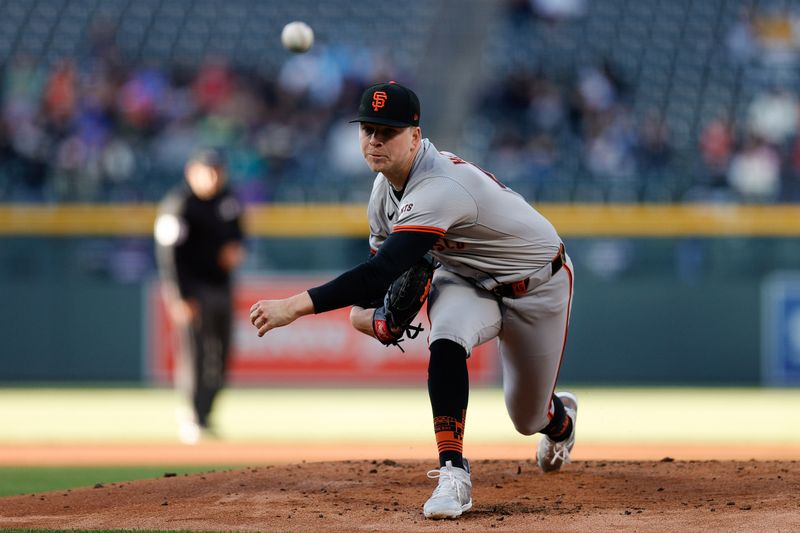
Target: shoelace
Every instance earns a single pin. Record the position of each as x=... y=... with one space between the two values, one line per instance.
x=411 y=332
x=444 y=474
x=560 y=451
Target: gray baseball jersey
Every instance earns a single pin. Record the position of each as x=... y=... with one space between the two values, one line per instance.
x=487 y=231
x=488 y=236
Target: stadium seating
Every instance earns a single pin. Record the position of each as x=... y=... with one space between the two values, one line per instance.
x=670 y=63
x=163 y=46
x=671 y=55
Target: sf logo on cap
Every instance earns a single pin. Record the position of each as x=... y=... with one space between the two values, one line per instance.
x=378 y=100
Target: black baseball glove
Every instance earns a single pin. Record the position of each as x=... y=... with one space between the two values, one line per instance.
x=402 y=302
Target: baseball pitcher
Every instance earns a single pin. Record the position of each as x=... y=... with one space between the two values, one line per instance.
x=501 y=273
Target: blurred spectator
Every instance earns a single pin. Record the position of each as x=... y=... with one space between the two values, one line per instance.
x=654 y=148
x=610 y=144
x=740 y=40
x=140 y=97
x=60 y=95
x=344 y=156
x=791 y=187
x=518 y=11
x=214 y=84
x=117 y=163
x=716 y=146
x=596 y=89
x=552 y=12
x=546 y=110
x=773 y=115
x=600 y=87
x=775 y=33
x=558 y=10
x=315 y=76
x=23 y=85
x=173 y=145
x=755 y=171
x=23 y=167
x=543 y=154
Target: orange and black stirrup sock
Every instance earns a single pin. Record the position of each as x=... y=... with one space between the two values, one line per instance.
x=560 y=426
x=448 y=389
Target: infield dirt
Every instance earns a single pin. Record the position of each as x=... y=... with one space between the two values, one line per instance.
x=387 y=495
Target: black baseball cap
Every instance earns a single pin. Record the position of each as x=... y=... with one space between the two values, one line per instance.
x=389 y=104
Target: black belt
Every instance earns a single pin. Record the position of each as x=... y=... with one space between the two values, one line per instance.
x=519 y=288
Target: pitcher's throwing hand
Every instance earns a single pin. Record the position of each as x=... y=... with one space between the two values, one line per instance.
x=269 y=314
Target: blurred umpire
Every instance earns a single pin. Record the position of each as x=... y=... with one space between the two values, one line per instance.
x=199 y=237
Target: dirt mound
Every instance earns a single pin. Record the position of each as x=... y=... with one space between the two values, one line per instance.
x=387 y=495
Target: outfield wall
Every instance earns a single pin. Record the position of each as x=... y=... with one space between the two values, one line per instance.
x=682 y=301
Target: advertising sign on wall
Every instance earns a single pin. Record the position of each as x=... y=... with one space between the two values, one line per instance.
x=780 y=327
x=318 y=349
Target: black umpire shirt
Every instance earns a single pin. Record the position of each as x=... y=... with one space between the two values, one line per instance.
x=190 y=233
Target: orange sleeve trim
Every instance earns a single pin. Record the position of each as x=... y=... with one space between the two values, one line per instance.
x=422 y=229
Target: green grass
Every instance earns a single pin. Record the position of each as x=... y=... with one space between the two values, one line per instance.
x=27 y=480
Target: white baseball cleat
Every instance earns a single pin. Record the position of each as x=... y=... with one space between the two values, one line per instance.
x=453 y=495
x=551 y=455
x=189 y=431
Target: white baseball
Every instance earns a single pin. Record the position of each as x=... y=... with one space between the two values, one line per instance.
x=297 y=37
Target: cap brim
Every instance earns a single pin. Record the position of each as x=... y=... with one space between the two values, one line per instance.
x=383 y=121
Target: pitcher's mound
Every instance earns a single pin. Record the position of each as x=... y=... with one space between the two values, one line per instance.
x=387 y=495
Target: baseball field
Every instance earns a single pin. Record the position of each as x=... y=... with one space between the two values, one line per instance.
x=646 y=459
